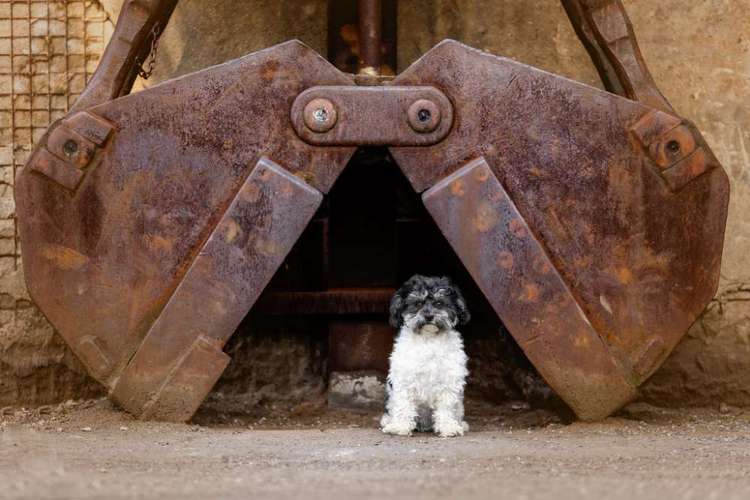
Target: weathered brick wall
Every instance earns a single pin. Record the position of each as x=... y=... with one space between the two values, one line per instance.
x=699 y=53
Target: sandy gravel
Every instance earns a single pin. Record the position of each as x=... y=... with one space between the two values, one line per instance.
x=90 y=450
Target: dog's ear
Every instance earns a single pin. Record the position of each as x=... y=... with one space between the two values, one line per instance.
x=398 y=302
x=461 y=308
x=396 y=309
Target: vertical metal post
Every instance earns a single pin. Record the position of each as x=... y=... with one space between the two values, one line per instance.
x=362 y=35
x=370 y=17
x=361 y=40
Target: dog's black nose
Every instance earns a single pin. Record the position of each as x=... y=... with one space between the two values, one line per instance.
x=429 y=317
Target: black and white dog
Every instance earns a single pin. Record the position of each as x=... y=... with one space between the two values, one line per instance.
x=428 y=364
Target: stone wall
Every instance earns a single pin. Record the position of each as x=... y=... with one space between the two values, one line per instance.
x=698 y=52
x=48 y=49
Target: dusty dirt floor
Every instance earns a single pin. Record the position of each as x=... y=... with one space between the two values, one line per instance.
x=90 y=450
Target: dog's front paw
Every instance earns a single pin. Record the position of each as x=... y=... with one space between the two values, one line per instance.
x=451 y=429
x=398 y=428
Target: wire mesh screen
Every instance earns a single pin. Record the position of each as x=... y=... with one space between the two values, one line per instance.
x=48 y=50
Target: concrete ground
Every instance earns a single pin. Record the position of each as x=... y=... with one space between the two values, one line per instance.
x=90 y=450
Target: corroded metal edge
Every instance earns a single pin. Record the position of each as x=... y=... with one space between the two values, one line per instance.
x=138 y=28
x=605 y=30
x=249 y=243
x=513 y=271
x=375 y=115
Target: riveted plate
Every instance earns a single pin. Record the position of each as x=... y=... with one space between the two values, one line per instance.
x=377 y=115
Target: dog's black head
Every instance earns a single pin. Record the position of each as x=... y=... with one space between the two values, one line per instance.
x=425 y=301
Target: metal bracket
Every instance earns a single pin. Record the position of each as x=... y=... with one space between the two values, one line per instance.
x=675 y=148
x=604 y=28
x=70 y=148
x=372 y=116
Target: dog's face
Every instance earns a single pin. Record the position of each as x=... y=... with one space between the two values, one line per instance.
x=428 y=305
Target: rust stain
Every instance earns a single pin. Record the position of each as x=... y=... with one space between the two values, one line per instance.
x=482 y=175
x=266 y=247
x=269 y=70
x=287 y=190
x=542 y=265
x=530 y=292
x=231 y=229
x=64 y=257
x=536 y=171
x=305 y=176
x=159 y=243
x=486 y=217
x=581 y=341
x=458 y=188
x=251 y=193
x=505 y=260
x=517 y=228
x=625 y=275
x=264 y=174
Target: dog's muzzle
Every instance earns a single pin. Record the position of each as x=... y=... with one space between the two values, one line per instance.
x=433 y=322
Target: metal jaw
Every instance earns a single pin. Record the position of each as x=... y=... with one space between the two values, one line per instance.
x=150 y=223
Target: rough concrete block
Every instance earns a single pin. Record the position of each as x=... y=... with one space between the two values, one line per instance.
x=360 y=390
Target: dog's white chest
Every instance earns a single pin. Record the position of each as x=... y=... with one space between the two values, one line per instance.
x=426 y=365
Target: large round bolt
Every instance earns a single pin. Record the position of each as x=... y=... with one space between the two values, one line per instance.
x=424 y=116
x=70 y=147
x=320 y=115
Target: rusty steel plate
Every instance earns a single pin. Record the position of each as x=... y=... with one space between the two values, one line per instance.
x=513 y=271
x=249 y=243
x=115 y=248
x=635 y=233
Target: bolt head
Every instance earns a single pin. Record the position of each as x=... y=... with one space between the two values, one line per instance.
x=70 y=147
x=320 y=115
x=424 y=116
x=673 y=147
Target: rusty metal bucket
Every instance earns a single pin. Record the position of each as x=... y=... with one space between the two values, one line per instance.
x=592 y=221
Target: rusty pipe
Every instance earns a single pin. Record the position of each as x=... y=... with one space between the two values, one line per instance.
x=370 y=16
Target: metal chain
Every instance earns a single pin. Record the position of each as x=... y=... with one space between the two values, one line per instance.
x=150 y=60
